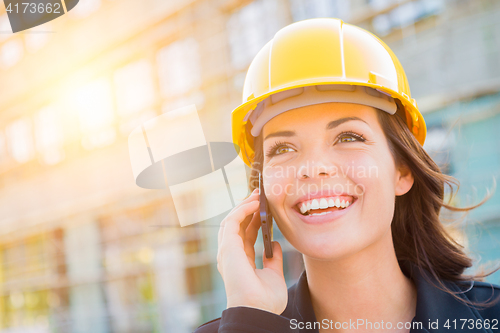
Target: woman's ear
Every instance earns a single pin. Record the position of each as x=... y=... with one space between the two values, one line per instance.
x=404 y=180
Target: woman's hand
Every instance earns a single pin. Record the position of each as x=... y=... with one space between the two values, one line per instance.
x=245 y=285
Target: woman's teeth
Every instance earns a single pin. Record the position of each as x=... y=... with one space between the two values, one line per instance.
x=323 y=203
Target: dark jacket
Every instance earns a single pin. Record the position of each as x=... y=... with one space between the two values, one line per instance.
x=432 y=305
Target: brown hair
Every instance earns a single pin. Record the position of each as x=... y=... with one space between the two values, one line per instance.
x=418 y=234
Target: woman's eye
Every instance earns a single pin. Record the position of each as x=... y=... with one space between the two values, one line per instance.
x=347 y=139
x=281 y=150
x=350 y=137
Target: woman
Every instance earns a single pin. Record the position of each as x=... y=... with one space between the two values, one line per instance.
x=328 y=121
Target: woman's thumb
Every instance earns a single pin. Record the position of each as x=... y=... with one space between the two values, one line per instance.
x=276 y=262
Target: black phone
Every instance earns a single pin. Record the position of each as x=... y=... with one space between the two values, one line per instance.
x=266 y=220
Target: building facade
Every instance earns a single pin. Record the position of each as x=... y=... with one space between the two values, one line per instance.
x=83 y=249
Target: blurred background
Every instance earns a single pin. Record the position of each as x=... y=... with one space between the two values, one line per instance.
x=83 y=249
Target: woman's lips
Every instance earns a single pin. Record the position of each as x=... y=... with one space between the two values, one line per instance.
x=328 y=217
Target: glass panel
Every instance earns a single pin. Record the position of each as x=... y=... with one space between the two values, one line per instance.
x=179 y=67
x=20 y=140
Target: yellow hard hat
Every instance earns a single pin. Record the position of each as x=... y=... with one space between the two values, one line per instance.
x=321 y=51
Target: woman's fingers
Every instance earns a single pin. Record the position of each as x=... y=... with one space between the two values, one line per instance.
x=230 y=242
x=231 y=228
x=250 y=198
x=239 y=214
x=244 y=225
x=276 y=262
x=250 y=237
x=251 y=234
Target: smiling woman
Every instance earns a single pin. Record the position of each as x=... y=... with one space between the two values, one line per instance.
x=328 y=121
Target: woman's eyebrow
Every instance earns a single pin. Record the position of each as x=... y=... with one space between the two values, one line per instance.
x=331 y=124
x=281 y=133
x=335 y=123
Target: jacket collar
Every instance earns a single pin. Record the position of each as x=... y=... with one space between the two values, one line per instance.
x=432 y=303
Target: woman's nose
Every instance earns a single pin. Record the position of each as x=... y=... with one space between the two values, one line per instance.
x=313 y=169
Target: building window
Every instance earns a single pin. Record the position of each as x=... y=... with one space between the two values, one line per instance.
x=135 y=94
x=134 y=87
x=438 y=144
x=198 y=279
x=48 y=135
x=179 y=68
x=196 y=97
x=403 y=15
x=3 y=148
x=94 y=105
x=20 y=140
x=381 y=4
x=11 y=53
x=306 y=9
x=251 y=27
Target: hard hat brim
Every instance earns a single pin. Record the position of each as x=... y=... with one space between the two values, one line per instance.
x=241 y=134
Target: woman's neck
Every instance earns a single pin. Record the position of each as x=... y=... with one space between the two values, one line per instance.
x=368 y=286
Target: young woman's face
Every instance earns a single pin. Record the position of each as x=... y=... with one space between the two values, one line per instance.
x=330 y=152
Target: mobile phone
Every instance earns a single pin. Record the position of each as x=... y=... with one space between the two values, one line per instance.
x=266 y=220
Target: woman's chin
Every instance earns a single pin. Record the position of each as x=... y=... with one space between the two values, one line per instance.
x=324 y=248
